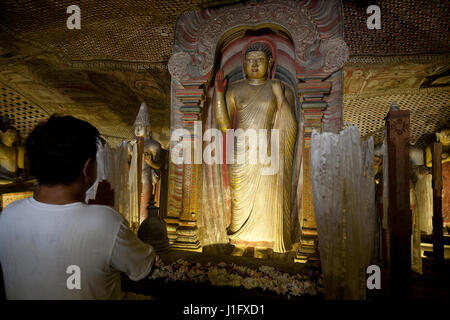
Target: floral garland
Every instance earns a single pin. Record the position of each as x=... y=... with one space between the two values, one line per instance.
x=222 y=274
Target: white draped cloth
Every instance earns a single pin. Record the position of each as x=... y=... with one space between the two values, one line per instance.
x=112 y=165
x=344 y=201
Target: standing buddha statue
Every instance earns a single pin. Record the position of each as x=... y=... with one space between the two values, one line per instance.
x=261 y=204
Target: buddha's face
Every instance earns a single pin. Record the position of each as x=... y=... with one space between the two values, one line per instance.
x=9 y=137
x=142 y=131
x=257 y=65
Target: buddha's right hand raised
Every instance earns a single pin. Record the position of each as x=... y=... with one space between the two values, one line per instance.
x=221 y=82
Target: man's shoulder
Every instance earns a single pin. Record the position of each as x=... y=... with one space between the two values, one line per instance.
x=15 y=205
x=104 y=212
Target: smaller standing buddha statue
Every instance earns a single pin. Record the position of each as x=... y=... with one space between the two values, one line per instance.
x=152 y=161
x=152 y=229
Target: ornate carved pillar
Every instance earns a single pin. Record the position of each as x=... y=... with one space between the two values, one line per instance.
x=438 y=235
x=399 y=212
x=182 y=229
x=312 y=94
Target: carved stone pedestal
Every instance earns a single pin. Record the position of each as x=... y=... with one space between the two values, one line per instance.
x=312 y=93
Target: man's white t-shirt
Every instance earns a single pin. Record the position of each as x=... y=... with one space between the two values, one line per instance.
x=38 y=243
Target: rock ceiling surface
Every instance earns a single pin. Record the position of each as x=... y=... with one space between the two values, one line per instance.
x=102 y=72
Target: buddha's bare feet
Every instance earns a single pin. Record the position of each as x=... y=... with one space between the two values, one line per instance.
x=260 y=253
x=238 y=251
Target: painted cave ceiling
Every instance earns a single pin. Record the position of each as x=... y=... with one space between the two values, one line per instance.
x=119 y=58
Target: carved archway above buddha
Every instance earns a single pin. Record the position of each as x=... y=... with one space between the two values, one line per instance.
x=313 y=26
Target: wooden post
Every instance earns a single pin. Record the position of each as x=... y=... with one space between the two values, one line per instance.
x=312 y=93
x=182 y=226
x=383 y=234
x=399 y=212
x=164 y=181
x=438 y=235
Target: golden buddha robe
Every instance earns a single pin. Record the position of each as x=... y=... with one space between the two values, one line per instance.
x=261 y=204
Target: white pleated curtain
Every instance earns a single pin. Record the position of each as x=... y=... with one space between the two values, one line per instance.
x=344 y=201
x=112 y=165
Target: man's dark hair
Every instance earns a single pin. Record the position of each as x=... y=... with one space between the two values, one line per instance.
x=59 y=148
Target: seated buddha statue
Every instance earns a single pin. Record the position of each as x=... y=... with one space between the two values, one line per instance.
x=443 y=137
x=11 y=156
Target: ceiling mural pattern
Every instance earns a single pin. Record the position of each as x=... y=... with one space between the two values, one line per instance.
x=119 y=30
x=143 y=31
x=119 y=58
x=361 y=79
x=429 y=109
x=407 y=26
x=24 y=114
x=420 y=84
x=109 y=100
